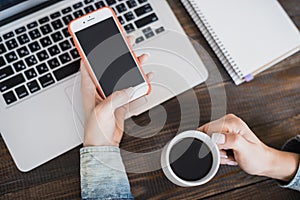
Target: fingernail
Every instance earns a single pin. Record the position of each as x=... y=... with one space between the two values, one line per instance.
x=150 y=76
x=130 y=92
x=218 y=138
x=224 y=156
x=233 y=163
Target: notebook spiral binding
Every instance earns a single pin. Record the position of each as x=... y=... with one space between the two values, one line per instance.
x=214 y=41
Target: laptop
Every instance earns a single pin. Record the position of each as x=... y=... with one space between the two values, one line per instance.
x=40 y=104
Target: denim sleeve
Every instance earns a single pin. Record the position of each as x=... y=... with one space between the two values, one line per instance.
x=103 y=174
x=293 y=145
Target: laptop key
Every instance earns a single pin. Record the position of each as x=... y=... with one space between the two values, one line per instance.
x=21 y=92
x=54 y=50
x=9 y=97
x=46 y=80
x=19 y=66
x=64 y=58
x=121 y=8
x=129 y=28
x=55 y=15
x=57 y=24
x=23 y=39
x=142 y=1
x=33 y=86
x=2 y=62
x=146 y=20
x=129 y=16
x=148 y=32
x=45 y=41
x=88 y=1
x=78 y=5
x=53 y=63
x=66 y=10
x=66 y=19
x=66 y=33
x=65 y=45
x=74 y=53
x=11 y=44
x=10 y=57
x=67 y=70
x=11 y=82
x=34 y=47
x=8 y=35
x=89 y=9
x=46 y=29
x=57 y=36
x=42 y=68
x=99 y=4
x=31 y=60
x=6 y=72
x=32 y=25
x=23 y=51
x=121 y=20
x=30 y=74
x=34 y=34
x=78 y=13
x=44 y=20
x=110 y=2
x=143 y=10
x=139 y=39
x=2 y=49
x=159 y=30
x=131 y=3
x=20 y=30
x=43 y=55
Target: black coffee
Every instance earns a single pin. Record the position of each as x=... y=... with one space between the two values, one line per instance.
x=191 y=159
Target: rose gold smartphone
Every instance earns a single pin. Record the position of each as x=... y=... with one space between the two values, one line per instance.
x=103 y=45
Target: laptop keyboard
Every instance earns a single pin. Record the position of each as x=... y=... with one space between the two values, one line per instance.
x=41 y=54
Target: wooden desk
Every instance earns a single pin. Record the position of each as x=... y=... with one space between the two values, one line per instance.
x=270 y=105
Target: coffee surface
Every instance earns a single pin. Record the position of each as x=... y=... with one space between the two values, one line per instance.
x=191 y=159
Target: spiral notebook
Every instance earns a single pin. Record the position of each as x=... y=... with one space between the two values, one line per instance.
x=248 y=36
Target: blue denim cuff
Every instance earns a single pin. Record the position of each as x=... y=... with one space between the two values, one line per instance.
x=103 y=174
x=293 y=145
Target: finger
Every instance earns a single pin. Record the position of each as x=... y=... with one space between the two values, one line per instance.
x=86 y=80
x=223 y=154
x=233 y=141
x=116 y=100
x=143 y=58
x=150 y=76
x=120 y=115
x=131 y=39
x=228 y=161
x=88 y=89
x=229 y=124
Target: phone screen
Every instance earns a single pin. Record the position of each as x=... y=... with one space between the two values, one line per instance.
x=109 y=56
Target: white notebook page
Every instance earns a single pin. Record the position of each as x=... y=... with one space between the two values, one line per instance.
x=255 y=33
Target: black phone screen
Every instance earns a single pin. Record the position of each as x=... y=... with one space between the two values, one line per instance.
x=109 y=56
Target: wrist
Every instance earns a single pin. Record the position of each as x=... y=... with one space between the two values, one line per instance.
x=281 y=165
x=92 y=140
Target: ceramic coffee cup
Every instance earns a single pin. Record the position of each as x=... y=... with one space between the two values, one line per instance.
x=190 y=159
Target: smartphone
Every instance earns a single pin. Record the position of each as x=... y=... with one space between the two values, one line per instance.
x=111 y=62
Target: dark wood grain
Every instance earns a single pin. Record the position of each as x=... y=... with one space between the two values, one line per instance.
x=270 y=105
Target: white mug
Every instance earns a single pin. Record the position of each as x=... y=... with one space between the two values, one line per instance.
x=165 y=158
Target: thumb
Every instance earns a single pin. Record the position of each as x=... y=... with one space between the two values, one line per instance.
x=229 y=140
x=117 y=99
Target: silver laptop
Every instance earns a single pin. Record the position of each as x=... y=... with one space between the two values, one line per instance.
x=40 y=103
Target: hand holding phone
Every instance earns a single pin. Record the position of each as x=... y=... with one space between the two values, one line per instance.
x=104 y=121
x=111 y=63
